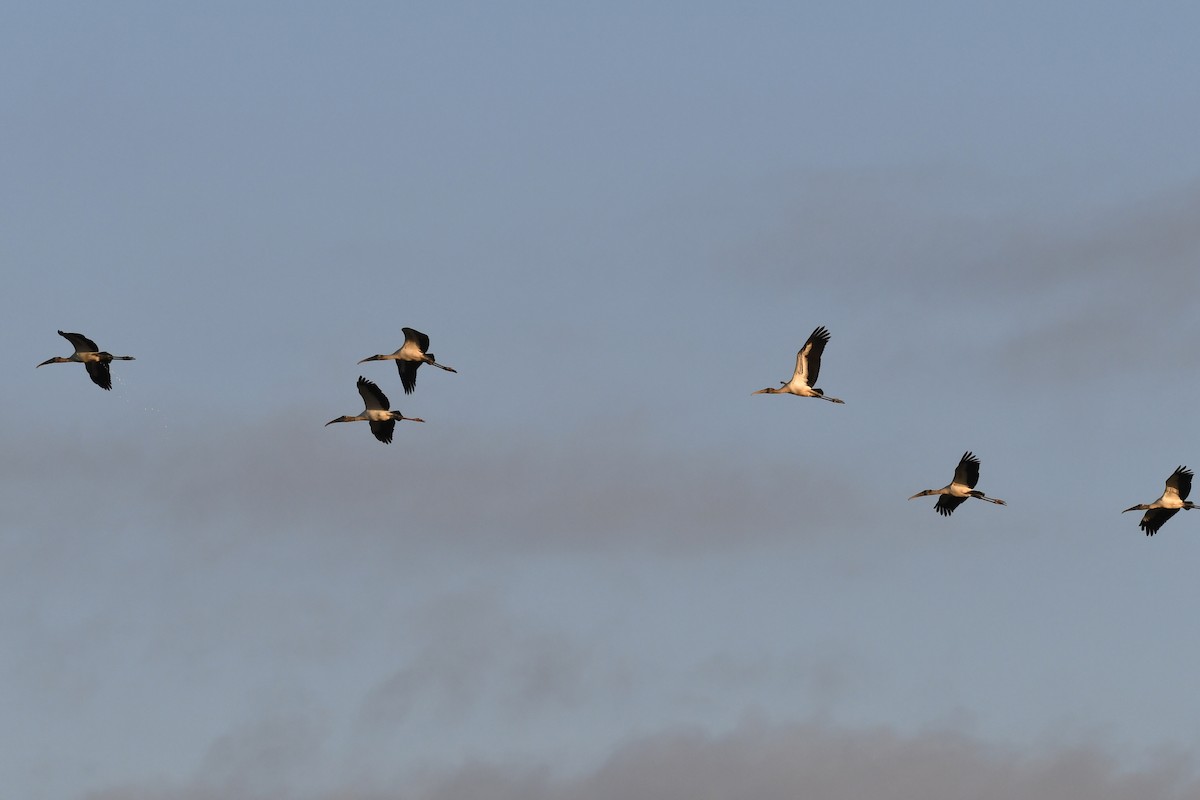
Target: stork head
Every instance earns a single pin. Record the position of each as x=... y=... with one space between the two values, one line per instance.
x=55 y=360
x=339 y=419
x=372 y=358
x=1142 y=507
x=925 y=493
x=767 y=390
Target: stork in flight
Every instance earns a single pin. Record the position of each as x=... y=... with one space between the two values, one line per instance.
x=383 y=421
x=808 y=365
x=412 y=354
x=966 y=475
x=1174 y=497
x=94 y=360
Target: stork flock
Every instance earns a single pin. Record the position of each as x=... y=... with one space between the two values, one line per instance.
x=966 y=474
x=412 y=354
x=376 y=406
x=377 y=411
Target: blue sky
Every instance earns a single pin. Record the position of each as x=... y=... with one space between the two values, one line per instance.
x=601 y=568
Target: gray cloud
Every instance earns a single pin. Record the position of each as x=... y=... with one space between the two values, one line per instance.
x=595 y=490
x=272 y=753
x=826 y=674
x=469 y=647
x=934 y=266
x=761 y=761
x=938 y=231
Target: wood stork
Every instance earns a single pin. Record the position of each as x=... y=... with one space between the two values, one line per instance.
x=1174 y=497
x=966 y=475
x=808 y=366
x=412 y=354
x=383 y=421
x=94 y=360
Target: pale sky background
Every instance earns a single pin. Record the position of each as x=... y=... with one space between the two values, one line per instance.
x=602 y=569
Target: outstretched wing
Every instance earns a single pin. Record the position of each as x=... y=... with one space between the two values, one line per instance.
x=98 y=371
x=372 y=396
x=81 y=343
x=808 y=360
x=946 y=504
x=967 y=471
x=1155 y=518
x=383 y=429
x=418 y=338
x=408 y=374
x=1181 y=482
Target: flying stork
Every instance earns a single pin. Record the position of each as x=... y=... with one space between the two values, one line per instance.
x=966 y=475
x=383 y=421
x=94 y=360
x=1174 y=497
x=808 y=365
x=412 y=354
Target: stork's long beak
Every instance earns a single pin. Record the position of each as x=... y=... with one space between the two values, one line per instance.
x=412 y=419
x=762 y=391
x=919 y=494
x=339 y=419
x=370 y=358
x=47 y=361
x=1132 y=508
